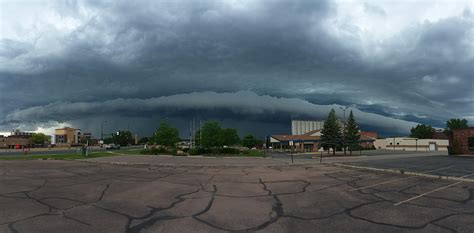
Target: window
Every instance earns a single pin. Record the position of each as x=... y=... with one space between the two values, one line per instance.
x=470 y=143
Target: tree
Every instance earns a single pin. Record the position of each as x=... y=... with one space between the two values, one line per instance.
x=229 y=137
x=249 y=141
x=331 y=133
x=351 y=133
x=143 y=140
x=453 y=124
x=122 y=138
x=210 y=133
x=39 y=138
x=422 y=131
x=166 y=135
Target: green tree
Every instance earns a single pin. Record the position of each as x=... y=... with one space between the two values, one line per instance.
x=351 y=134
x=210 y=134
x=229 y=137
x=143 y=140
x=453 y=124
x=249 y=141
x=331 y=133
x=39 y=138
x=422 y=131
x=166 y=135
x=122 y=138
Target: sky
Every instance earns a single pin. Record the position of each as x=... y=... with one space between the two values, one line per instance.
x=252 y=65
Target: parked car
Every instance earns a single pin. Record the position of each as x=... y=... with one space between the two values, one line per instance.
x=112 y=147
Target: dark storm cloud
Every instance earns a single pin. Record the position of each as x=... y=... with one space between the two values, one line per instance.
x=125 y=55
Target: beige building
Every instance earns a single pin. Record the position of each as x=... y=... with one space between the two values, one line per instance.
x=66 y=135
x=412 y=144
x=14 y=142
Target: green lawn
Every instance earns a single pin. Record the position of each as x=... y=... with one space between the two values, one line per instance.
x=68 y=156
x=249 y=153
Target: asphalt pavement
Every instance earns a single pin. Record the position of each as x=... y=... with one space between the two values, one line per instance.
x=76 y=196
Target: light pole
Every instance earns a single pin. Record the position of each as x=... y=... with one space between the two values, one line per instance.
x=344 y=116
x=102 y=130
x=344 y=126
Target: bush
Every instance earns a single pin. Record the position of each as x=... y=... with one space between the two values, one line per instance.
x=254 y=153
x=158 y=151
x=198 y=151
x=214 y=151
x=231 y=151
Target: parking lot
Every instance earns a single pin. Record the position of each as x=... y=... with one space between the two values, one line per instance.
x=76 y=196
x=440 y=165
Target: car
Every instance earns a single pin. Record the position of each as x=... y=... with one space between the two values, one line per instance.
x=112 y=147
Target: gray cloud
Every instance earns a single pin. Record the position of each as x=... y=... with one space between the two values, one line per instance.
x=240 y=104
x=128 y=54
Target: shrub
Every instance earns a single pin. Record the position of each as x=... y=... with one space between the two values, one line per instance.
x=254 y=153
x=231 y=151
x=198 y=151
x=158 y=151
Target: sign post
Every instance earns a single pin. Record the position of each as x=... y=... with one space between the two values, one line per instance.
x=321 y=155
x=291 y=151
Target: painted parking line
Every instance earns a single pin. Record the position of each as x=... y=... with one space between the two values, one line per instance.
x=405 y=178
x=432 y=191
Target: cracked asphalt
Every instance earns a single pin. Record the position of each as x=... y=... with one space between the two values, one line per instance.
x=75 y=196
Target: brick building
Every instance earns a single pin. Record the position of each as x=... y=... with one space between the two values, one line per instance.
x=14 y=142
x=463 y=141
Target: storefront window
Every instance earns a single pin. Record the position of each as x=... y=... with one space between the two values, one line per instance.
x=470 y=143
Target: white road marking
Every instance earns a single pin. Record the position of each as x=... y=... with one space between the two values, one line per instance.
x=390 y=181
x=432 y=191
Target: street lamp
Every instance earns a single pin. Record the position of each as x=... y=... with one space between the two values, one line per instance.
x=344 y=126
x=102 y=130
x=344 y=115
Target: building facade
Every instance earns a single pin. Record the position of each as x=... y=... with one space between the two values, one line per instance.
x=66 y=135
x=309 y=142
x=13 y=142
x=300 y=127
x=463 y=141
x=413 y=144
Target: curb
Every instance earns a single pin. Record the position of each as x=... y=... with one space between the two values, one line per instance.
x=405 y=173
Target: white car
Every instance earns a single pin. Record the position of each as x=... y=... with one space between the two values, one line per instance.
x=112 y=147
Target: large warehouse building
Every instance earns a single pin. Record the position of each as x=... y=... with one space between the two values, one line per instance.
x=300 y=127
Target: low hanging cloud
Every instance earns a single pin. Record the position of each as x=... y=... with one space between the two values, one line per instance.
x=241 y=104
x=66 y=61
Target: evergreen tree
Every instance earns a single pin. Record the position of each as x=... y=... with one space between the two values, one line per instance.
x=331 y=133
x=351 y=133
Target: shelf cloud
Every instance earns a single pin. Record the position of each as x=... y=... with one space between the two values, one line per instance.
x=262 y=62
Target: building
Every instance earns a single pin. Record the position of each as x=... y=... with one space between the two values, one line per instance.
x=19 y=134
x=300 y=127
x=66 y=135
x=309 y=142
x=14 y=142
x=413 y=144
x=463 y=141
